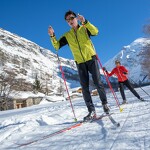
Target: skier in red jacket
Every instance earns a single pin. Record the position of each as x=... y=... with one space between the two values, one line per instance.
x=121 y=73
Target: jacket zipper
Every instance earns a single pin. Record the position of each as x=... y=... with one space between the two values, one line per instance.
x=79 y=46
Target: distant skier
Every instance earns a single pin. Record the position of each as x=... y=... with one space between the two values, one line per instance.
x=121 y=73
x=78 y=39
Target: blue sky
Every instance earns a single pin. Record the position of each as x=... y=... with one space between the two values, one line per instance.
x=119 y=21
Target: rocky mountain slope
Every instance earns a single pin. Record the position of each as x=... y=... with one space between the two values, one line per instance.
x=27 y=60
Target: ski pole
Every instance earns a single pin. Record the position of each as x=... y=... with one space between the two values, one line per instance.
x=107 y=80
x=63 y=76
x=110 y=86
x=140 y=87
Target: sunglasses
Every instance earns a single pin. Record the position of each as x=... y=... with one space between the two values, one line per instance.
x=70 y=19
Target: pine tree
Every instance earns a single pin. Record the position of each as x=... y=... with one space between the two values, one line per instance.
x=37 y=84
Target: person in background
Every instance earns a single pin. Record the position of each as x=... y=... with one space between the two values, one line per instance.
x=78 y=39
x=121 y=72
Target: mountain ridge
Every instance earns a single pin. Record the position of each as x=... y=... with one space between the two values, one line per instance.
x=130 y=56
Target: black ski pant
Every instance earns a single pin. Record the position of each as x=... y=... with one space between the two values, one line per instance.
x=84 y=69
x=128 y=85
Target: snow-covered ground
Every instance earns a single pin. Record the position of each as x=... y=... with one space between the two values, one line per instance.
x=35 y=122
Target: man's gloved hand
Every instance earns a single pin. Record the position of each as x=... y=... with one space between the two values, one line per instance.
x=51 y=31
x=81 y=18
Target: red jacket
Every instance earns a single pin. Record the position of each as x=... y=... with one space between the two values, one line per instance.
x=119 y=72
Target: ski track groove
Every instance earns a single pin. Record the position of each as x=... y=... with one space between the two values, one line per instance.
x=144 y=142
x=10 y=132
x=112 y=146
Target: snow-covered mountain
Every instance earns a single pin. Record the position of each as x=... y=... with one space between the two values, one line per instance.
x=26 y=60
x=130 y=57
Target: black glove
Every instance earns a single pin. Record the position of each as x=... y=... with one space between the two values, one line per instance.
x=104 y=69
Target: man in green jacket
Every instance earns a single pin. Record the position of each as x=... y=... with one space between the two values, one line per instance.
x=78 y=39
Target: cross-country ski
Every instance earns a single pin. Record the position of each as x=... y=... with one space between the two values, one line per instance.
x=71 y=127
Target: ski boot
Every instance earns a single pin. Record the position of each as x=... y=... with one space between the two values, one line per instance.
x=91 y=116
x=106 y=109
x=124 y=102
x=141 y=99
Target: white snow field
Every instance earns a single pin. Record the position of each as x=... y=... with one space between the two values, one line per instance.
x=36 y=122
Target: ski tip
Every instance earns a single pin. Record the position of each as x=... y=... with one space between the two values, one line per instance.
x=118 y=124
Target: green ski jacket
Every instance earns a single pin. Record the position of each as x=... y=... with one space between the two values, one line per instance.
x=79 y=42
